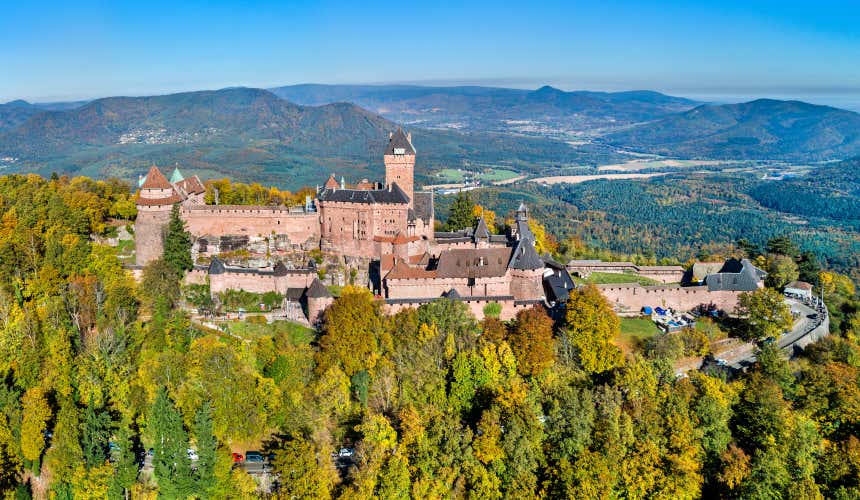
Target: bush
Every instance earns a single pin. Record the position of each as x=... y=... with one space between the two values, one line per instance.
x=492 y=310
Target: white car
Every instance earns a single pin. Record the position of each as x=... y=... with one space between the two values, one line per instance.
x=192 y=455
x=346 y=452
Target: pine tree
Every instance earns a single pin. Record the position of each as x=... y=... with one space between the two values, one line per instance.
x=206 y=449
x=125 y=463
x=172 y=467
x=95 y=433
x=461 y=216
x=177 y=243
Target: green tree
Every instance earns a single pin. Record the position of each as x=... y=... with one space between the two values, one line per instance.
x=177 y=243
x=765 y=312
x=125 y=463
x=171 y=465
x=95 y=434
x=783 y=245
x=461 y=215
x=781 y=271
x=302 y=475
x=591 y=327
x=207 y=447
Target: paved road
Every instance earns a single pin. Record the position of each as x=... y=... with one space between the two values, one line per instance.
x=809 y=319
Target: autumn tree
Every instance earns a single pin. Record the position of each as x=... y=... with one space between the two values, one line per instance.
x=350 y=329
x=36 y=413
x=489 y=216
x=781 y=271
x=177 y=243
x=303 y=474
x=766 y=314
x=532 y=341
x=591 y=327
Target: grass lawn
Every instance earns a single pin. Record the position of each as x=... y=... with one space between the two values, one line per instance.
x=606 y=278
x=635 y=331
x=451 y=175
x=496 y=175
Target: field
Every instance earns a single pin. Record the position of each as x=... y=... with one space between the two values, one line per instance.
x=297 y=334
x=606 y=278
x=642 y=164
x=635 y=331
x=451 y=175
x=576 y=179
x=497 y=175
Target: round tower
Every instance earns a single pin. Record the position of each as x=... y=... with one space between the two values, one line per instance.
x=154 y=204
x=400 y=163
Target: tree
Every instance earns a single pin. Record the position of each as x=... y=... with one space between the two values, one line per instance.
x=177 y=243
x=160 y=285
x=302 y=475
x=125 y=463
x=781 y=271
x=766 y=314
x=171 y=465
x=65 y=454
x=95 y=434
x=207 y=447
x=350 y=328
x=488 y=215
x=532 y=342
x=460 y=217
x=591 y=327
x=783 y=245
x=544 y=241
x=36 y=413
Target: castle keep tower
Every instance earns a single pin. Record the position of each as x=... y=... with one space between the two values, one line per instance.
x=156 y=199
x=400 y=163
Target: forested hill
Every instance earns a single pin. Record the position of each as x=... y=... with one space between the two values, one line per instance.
x=761 y=129
x=492 y=108
x=248 y=134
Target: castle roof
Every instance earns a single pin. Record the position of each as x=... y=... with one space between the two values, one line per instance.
x=399 y=140
x=525 y=257
x=422 y=203
x=217 y=266
x=331 y=183
x=481 y=232
x=400 y=239
x=473 y=262
x=317 y=290
x=191 y=185
x=393 y=195
x=177 y=176
x=736 y=275
x=155 y=180
x=402 y=270
x=154 y=202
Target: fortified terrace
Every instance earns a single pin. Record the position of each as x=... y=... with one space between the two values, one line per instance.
x=387 y=228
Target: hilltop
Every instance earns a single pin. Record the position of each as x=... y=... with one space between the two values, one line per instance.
x=760 y=129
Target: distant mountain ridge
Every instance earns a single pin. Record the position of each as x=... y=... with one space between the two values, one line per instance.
x=760 y=129
x=493 y=108
x=249 y=134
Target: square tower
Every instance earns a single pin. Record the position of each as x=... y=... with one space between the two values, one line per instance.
x=400 y=163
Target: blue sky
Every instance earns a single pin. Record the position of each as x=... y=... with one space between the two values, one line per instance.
x=59 y=51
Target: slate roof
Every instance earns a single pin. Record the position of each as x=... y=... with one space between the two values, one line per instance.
x=423 y=206
x=736 y=275
x=481 y=232
x=395 y=195
x=317 y=290
x=558 y=285
x=399 y=140
x=525 y=256
x=155 y=180
x=473 y=262
x=217 y=266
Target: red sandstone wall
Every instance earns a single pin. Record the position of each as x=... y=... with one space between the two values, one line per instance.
x=476 y=307
x=149 y=233
x=435 y=287
x=526 y=285
x=252 y=221
x=631 y=298
x=258 y=283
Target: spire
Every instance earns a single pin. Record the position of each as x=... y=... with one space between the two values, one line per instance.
x=177 y=176
x=481 y=231
x=155 y=180
x=342 y=182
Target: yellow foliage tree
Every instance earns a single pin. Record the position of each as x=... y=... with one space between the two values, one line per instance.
x=488 y=215
x=591 y=326
x=36 y=413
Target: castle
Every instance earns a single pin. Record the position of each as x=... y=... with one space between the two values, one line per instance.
x=390 y=224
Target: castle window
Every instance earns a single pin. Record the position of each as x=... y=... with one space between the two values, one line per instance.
x=400 y=151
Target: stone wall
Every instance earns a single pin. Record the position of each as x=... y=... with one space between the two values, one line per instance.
x=631 y=298
x=260 y=281
x=301 y=228
x=509 y=307
x=349 y=228
x=149 y=233
x=435 y=287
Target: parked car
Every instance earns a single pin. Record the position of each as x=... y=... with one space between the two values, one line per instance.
x=238 y=457
x=346 y=452
x=192 y=455
x=253 y=457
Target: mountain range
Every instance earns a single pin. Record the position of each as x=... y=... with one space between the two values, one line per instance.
x=293 y=136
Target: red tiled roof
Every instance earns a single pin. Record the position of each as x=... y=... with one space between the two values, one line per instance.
x=152 y=202
x=191 y=185
x=404 y=271
x=155 y=180
x=332 y=183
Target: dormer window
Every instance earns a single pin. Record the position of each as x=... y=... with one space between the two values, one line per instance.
x=400 y=151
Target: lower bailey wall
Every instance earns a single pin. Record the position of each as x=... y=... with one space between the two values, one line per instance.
x=435 y=287
x=509 y=307
x=256 y=282
x=631 y=298
x=302 y=229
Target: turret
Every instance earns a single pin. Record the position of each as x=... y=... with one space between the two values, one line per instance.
x=400 y=163
x=154 y=204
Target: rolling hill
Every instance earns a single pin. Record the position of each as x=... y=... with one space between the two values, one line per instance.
x=248 y=134
x=545 y=111
x=761 y=129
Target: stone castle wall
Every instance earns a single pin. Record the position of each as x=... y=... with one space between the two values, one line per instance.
x=434 y=287
x=301 y=228
x=631 y=298
x=349 y=228
x=259 y=282
x=476 y=307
